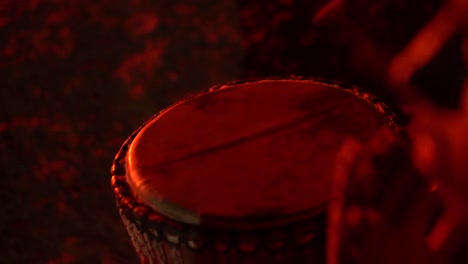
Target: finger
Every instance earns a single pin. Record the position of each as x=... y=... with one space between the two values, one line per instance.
x=344 y=161
x=423 y=46
x=327 y=13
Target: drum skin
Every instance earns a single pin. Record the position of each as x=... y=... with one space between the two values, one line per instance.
x=219 y=214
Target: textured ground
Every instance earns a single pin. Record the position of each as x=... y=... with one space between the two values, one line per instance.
x=77 y=76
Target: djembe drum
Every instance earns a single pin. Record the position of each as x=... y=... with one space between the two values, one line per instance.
x=240 y=173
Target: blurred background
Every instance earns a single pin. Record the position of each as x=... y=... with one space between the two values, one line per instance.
x=78 y=76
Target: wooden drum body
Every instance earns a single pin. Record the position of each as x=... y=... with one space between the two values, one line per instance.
x=240 y=173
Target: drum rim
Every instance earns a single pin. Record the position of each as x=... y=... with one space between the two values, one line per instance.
x=141 y=212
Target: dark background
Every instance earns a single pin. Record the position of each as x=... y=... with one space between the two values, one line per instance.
x=78 y=76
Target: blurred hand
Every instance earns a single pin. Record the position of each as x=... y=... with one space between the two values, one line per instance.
x=381 y=209
x=439 y=136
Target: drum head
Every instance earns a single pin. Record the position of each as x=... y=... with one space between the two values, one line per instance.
x=255 y=151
